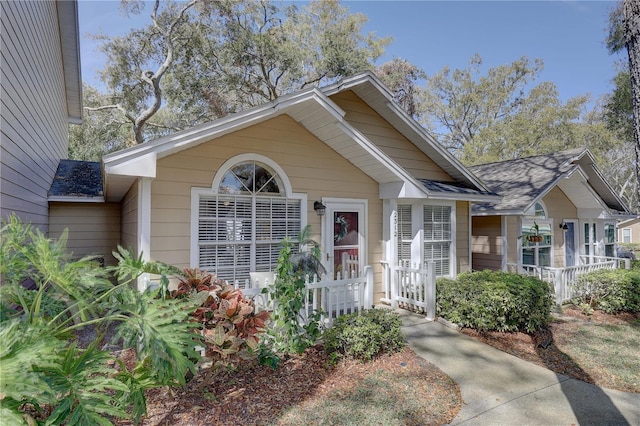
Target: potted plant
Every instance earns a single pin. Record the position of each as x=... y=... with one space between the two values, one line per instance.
x=534 y=235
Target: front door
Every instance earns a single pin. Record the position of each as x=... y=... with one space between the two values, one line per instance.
x=344 y=237
x=570 y=244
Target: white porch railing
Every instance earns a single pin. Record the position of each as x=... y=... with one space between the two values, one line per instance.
x=410 y=287
x=563 y=279
x=331 y=298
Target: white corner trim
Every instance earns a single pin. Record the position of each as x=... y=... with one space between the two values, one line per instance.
x=144 y=226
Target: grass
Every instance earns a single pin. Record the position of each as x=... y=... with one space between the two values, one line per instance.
x=606 y=350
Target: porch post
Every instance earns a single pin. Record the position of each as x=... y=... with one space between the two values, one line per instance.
x=431 y=290
x=144 y=227
x=393 y=256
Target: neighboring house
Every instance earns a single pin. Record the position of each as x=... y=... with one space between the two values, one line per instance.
x=629 y=231
x=40 y=95
x=345 y=159
x=564 y=194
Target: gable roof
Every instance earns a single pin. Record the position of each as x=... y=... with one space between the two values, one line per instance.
x=314 y=110
x=523 y=182
x=629 y=222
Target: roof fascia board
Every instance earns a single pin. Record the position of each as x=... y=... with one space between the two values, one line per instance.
x=499 y=213
x=70 y=199
x=176 y=142
x=70 y=50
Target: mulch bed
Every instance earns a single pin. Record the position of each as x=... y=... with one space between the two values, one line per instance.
x=259 y=395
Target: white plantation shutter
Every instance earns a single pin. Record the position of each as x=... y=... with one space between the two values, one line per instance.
x=241 y=233
x=437 y=237
x=405 y=236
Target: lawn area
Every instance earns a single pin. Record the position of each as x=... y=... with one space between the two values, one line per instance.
x=605 y=348
x=598 y=348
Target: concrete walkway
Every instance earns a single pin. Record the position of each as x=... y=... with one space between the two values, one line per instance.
x=501 y=389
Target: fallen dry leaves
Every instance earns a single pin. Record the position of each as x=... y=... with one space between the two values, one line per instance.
x=258 y=395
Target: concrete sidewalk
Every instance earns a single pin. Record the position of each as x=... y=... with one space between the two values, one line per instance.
x=501 y=389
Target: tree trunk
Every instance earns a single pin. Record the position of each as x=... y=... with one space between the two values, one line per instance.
x=631 y=14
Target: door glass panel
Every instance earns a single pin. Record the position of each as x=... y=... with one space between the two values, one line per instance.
x=569 y=245
x=345 y=243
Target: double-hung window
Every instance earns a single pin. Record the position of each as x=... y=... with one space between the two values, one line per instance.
x=610 y=239
x=434 y=223
x=241 y=223
x=437 y=238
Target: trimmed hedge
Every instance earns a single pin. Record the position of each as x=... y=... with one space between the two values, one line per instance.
x=366 y=335
x=495 y=301
x=609 y=290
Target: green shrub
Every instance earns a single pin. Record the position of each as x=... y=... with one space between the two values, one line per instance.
x=609 y=290
x=366 y=335
x=42 y=365
x=492 y=300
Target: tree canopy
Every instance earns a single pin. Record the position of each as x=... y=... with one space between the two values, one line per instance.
x=204 y=59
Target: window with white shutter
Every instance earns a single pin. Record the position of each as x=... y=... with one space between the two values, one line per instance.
x=242 y=222
x=437 y=237
x=405 y=234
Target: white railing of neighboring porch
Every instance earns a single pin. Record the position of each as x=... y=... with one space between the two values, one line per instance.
x=563 y=279
x=410 y=287
x=331 y=298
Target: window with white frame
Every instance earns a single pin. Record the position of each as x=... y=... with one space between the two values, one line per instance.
x=590 y=240
x=437 y=237
x=405 y=234
x=626 y=235
x=537 y=251
x=610 y=239
x=242 y=222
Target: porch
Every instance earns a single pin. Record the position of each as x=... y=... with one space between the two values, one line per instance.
x=563 y=279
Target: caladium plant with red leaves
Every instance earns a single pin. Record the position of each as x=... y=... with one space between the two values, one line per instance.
x=231 y=327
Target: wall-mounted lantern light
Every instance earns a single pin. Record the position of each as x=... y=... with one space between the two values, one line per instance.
x=564 y=226
x=319 y=208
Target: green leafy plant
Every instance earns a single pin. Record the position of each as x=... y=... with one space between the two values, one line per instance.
x=365 y=335
x=41 y=365
x=292 y=330
x=609 y=290
x=493 y=300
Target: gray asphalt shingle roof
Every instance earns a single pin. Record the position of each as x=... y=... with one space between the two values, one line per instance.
x=81 y=179
x=522 y=181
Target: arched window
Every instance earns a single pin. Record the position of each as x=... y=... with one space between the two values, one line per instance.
x=535 y=222
x=241 y=221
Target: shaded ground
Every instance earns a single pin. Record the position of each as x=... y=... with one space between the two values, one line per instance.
x=542 y=347
x=256 y=395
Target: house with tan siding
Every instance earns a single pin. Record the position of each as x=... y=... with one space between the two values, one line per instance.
x=563 y=194
x=629 y=231
x=41 y=93
x=375 y=188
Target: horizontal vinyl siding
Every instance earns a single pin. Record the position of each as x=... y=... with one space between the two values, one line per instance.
x=387 y=138
x=487 y=243
x=129 y=219
x=311 y=167
x=94 y=228
x=33 y=108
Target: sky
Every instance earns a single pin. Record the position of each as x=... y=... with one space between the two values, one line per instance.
x=567 y=35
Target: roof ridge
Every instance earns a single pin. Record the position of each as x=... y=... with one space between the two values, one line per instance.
x=553 y=154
